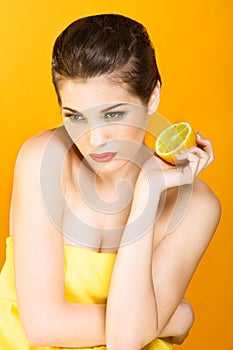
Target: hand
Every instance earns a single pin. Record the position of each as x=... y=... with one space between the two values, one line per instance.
x=189 y=164
x=198 y=157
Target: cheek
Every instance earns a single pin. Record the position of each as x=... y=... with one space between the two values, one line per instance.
x=132 y=133
x=82 y=144
x=114 y=132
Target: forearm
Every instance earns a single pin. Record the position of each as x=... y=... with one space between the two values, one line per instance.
x=70 y=325
x=131 y=306
x=131 y=320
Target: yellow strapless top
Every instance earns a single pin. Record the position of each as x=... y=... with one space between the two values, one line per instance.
x=87 y=279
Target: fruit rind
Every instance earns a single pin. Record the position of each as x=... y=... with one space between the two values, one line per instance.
x=184 y=143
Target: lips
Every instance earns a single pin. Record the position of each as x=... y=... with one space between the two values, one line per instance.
x=103 y=157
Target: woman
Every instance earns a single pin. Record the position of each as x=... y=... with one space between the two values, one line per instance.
x=89 y=250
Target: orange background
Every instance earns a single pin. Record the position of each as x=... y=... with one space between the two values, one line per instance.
x=193 y=40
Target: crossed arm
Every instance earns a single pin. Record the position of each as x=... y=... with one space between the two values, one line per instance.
x=147 y=288
x=157 y=280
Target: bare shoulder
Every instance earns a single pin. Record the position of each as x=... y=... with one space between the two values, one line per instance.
x=49 y=149
x=203 y=212
x=204 y=196
x=42 y=167
x=53 y=139
x=194 y=207
x=37 y=175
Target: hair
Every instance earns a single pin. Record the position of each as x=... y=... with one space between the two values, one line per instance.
x=112 y=45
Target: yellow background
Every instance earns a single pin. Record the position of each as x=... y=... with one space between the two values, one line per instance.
x=193 y=40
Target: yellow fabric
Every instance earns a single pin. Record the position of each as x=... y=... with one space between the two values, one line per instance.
x=87 y=278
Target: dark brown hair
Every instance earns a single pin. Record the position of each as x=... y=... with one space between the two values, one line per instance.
x=109 y=44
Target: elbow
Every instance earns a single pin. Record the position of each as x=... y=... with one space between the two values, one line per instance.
x=125 y=342
x=130 y=337
x=42 y=321
x=37 y=335
x=122 y=345
x=40 y=330
x=37 y=341
x=40 y=333
x=186 y=323
x=188 y=318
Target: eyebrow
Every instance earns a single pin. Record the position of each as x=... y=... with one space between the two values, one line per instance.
x=103 y=111
x=113 y=106
x=70 y=109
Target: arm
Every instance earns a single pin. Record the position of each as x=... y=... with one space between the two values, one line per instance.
x=176 y=258
x=137 y=312
x=179 y=324
x=131 y=318
x=38 y=250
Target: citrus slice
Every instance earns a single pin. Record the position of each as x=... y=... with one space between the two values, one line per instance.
x=174 y=139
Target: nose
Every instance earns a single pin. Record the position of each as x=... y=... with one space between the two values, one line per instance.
x=98 y=136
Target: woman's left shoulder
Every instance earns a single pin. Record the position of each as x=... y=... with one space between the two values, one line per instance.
x=201 y=188
x=205 y=197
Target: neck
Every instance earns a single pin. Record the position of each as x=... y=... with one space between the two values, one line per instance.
x=128 y=170
x=112 y=190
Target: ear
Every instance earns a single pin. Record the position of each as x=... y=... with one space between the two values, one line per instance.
x=154 y=99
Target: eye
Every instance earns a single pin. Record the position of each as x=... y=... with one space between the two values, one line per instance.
x=114 y=115
x=74 y=116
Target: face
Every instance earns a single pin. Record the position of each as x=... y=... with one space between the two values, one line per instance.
x=106 y=122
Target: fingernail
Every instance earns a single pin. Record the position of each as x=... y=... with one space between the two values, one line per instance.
x=179 y=155
x=198 y=134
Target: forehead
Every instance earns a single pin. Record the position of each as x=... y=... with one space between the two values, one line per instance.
x=81 y=95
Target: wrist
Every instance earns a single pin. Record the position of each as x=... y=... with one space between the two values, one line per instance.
x=150 y=183
x=145 y=200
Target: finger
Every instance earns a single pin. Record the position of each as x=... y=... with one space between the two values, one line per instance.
x=203 y=142
x=189 y=170
x=206 y=145
x=202 y=156
x=192 y=155
x=194 y=162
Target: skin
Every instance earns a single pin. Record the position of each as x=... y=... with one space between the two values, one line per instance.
x=156 y=266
